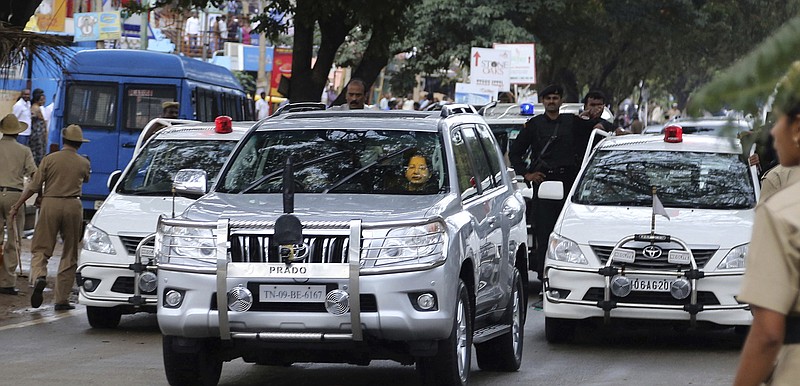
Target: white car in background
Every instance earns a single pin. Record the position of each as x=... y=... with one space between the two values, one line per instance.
x=110 y=281
x=610 y=257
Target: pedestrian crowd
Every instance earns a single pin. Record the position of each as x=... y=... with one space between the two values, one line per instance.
x=56 y=179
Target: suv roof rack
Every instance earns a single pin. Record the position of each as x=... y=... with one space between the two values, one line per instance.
x=300 y=106
x=487 y=106
x=457 y=108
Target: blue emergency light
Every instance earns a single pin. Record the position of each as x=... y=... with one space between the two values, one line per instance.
x=526 y=109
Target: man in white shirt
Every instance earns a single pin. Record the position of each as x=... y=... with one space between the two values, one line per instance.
x=192 y=29
x=22 y=109
x=262 y=108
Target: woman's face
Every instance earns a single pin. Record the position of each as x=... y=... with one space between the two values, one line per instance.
x=417 y=171
x=787 y=140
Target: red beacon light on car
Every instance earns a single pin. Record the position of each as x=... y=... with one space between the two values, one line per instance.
x=223 y=124
x=673 y=134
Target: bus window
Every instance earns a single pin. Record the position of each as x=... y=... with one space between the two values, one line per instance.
x=142 y=103
x=205 y=106
x=91 y=104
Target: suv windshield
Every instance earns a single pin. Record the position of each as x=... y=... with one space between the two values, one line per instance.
x=153 y=169
x=682 y=180
x=339 y=161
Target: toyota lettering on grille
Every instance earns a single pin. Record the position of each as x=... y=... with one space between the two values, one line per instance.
x=652 y=252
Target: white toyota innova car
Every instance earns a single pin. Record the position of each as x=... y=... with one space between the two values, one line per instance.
x=614 y=254
x=106 y=264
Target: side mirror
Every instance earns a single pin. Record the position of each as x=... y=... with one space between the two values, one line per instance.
x=190 y=181
x=551 y=190
x=523 y=186
x=112 y=179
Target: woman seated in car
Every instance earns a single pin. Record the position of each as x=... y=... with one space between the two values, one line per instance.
x=418 y=175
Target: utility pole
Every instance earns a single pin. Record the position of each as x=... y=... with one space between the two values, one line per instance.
x=97 y=6
x=261 y=74
x=144 y=33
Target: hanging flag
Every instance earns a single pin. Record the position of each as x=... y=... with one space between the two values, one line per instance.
x=658 y=207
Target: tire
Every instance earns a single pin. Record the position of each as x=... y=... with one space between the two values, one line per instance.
x=451 y=364
x=504 y=353
x=559 y=330
x=191 y=361
x=103 y=317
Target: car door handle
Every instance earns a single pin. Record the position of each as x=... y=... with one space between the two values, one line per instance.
x=509 y=212
x=492 y=220
x=128 y=145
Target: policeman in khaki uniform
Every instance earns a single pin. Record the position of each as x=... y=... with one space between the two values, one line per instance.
x=776 y=178
x=771 y=283
x=58 y=181
x=16 y=162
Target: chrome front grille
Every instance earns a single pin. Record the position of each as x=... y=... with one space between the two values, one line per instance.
x=701 y=256
x=255 y=248
x=131 y=242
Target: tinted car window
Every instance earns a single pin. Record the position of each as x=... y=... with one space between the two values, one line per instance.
x=153 y=169
x=336 y=161
x=682 y=180
x=490 y=147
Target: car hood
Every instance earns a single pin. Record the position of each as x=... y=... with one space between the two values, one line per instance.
x=319 y=207
x=135 y=215
x=607 y=225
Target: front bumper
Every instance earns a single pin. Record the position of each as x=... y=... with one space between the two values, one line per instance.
x=573 y=291
x=115 y=280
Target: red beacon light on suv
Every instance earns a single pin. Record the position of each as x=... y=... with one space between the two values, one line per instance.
x=223 y=124
x=673 y=134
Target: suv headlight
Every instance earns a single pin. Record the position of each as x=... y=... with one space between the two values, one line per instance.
x=566 y=250
x=96 y=240
x=735 y=258
x=423 y=244
x=187 y=245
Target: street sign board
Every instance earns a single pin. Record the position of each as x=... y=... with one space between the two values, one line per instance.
x=474 y=94
x=488 y=67
x=522 y=64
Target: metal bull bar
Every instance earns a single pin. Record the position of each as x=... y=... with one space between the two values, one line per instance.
x=608 y=272
x=352 y=270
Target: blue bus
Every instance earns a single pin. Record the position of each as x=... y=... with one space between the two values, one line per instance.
x=113 y=94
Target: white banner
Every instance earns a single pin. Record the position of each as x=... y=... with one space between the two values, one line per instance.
x=489 y=67
x=522 y=64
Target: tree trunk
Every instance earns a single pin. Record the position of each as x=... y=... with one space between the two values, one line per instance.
x=301 y=86
x=374 y=60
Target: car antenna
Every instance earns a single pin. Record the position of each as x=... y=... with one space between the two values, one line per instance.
x=288 y=186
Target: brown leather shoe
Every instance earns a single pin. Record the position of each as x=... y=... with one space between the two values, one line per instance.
x=9 y=291
x=36 y=296
x=64 y=307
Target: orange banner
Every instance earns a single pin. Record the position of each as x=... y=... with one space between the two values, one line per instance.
x=50 y=15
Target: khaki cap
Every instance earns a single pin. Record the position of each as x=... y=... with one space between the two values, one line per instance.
x=170 y=104
x=11 y=125
x=73 y=133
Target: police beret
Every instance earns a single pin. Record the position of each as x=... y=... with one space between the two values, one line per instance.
x=551 y=89
x=170 y=104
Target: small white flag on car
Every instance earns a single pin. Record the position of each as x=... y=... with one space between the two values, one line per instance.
x=658 y=207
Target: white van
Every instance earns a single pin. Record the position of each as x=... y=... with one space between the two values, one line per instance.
x=614 y=254
x=106 y=264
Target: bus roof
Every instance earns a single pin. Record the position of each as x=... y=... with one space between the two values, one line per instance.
x=149 y=64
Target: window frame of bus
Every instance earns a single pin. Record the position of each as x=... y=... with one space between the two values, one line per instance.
x=126 y=97
x=71 y=112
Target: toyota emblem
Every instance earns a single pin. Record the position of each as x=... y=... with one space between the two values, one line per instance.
x=652 y=252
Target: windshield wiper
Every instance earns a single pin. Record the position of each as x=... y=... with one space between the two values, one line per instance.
x=148 y=192
x=620 y=202
x=276 y=173
x=362 y=169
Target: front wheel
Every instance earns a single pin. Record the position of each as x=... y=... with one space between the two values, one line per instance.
x=504 y=353
x=103 y=317
x=451 y=364
x=190 y=361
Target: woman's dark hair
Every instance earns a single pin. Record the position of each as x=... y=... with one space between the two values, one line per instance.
x=37 y=94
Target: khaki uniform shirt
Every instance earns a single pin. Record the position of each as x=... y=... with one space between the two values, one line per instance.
x=772 y=277
x=62 y=173
x=777 y=178
x=16 y=162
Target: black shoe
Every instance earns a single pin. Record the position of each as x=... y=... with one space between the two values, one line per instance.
x=9 y=291
x=64 y=307
x=36 y=296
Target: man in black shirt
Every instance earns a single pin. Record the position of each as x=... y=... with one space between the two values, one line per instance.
x=557 y=143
